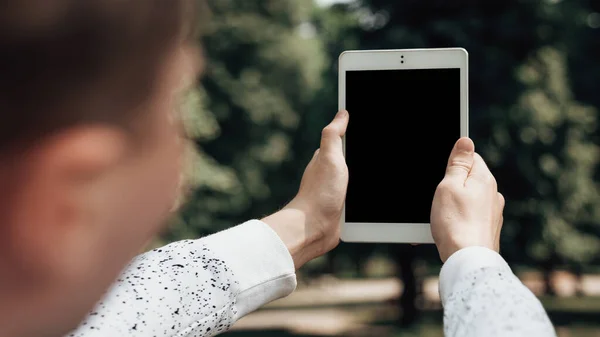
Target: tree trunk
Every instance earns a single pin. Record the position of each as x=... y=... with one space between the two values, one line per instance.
x=578 y=272
x=405 y=262
x=547 y=269
x=330 y=265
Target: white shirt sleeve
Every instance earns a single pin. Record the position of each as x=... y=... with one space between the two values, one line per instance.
x=482 y=297
x=195 y=287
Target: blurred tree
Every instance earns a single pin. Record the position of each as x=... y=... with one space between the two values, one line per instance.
x=264 y=65
x=584 y=44
x=582 y=41
x=546 y=145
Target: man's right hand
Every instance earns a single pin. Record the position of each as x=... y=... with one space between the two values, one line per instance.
x=467 y=208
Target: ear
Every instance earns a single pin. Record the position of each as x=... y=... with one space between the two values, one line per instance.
x=47 y=220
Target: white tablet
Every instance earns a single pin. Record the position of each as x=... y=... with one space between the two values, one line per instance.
x=407 y=110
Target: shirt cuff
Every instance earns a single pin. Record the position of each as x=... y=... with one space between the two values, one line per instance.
x=465 y=261
x=260 y=262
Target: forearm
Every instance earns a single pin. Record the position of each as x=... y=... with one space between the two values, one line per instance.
x=482 y=297
x=196 y=287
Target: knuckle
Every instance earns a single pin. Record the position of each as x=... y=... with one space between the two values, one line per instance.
x=501 y=200
x=460 y=163
x=328 y=131
x=444 y=187
x=329 y=160
x=332 y=159
x=490 y=180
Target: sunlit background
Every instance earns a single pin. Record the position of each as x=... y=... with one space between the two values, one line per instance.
x=271 y=85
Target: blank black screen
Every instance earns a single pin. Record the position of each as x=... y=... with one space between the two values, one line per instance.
x=403 y=125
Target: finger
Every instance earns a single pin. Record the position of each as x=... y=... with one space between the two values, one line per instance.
x=480 y=170
x=461 y=160
x=498 y=233
x=316 y=153
x=331 y=137
x=501 y=200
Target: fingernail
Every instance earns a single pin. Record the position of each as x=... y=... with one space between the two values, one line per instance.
x=341 y=114
x=465 y=144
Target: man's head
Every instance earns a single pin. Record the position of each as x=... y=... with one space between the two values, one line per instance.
x=90 y=147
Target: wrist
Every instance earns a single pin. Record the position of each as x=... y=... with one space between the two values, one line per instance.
x=450 y=250
x=291 y=225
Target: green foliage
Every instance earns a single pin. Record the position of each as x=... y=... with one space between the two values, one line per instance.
x=547 y=141
x=263 y=68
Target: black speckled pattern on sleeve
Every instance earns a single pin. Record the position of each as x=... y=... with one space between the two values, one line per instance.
x=493 y=302
x=180 y=290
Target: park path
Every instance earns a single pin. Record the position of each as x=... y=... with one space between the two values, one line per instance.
x=331 y=306
x=318 y=309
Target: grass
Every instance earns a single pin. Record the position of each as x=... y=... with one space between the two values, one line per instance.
x=572 y=304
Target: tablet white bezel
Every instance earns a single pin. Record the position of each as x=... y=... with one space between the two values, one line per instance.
x=389 y=60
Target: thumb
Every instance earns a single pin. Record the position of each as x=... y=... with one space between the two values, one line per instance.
x=331 y=137
x=461 y=160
